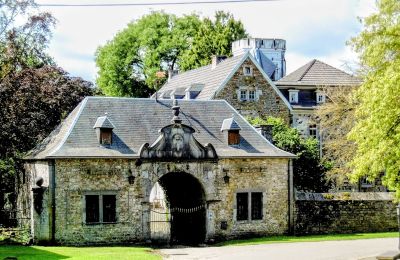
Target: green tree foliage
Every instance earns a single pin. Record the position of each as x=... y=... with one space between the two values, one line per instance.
x=128 y=64
x=34 y=94
x=212 y=38
x=377 y=129
x=308 y=170
x=22 y=42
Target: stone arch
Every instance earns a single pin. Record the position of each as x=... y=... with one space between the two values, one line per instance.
x=186 y=199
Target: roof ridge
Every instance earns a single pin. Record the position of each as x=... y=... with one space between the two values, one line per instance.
x=309 y=67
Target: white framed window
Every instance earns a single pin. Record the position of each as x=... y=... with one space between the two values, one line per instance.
x=312 y=131
x=320 y=97
x=252 y=95
x=293 y=96
x=243 y=95
x=247 y=71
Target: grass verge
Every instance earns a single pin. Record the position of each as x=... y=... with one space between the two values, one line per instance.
x=75 y=253
x=311 y=238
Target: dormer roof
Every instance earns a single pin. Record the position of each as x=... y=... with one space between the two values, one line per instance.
x=103 y=122
x=230 y=124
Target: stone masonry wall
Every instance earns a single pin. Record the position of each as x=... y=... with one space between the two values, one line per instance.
x=347 y=213
x=75 y=177
x=268 y=104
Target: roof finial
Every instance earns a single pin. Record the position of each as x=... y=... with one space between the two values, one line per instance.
x=176 y=119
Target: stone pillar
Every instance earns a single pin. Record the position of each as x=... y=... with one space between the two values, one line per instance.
x=146 y=221
x=41 y=228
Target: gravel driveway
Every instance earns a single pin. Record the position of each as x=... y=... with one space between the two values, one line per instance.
x=328 y=250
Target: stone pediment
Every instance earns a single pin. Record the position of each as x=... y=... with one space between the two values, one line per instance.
x=176 y=141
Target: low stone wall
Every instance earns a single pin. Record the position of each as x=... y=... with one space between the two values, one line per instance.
x=319 y=213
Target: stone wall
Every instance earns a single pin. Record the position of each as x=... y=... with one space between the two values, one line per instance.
x=268 y=103
x=344 y=213
x=76 y=177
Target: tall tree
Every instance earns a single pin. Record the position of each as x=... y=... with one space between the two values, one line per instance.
x=23 y=42
x=34 y=94
x=335 y=120
x=159 y=42
x=377 y=130
x=213 y=38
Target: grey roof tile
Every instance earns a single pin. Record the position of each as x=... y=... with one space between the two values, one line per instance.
x=137 y=121
x=317 y=73
x=206 y=75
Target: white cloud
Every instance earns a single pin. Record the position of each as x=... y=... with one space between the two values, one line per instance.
x=312 y=28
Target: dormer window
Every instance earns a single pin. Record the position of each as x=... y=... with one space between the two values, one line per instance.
x=320 y=97
x=233 y=137
x=232 y=130
x=104 y=129
x=248 y=71
x=293 y=96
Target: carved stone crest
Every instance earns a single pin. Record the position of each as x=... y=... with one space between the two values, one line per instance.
x=177 y=141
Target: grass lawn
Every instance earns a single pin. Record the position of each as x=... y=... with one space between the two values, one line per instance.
x=98 y=253
x=316 y=238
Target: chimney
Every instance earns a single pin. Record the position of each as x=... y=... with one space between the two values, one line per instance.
x=266 y=131
x=171 y=73
x=216 y=59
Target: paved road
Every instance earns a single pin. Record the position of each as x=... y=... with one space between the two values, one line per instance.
x=329 y=250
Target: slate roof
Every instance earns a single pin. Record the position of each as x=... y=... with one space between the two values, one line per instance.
x=211 y=78
x=318 y=73
x=137 y=121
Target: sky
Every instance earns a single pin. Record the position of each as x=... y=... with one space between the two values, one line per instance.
x=313 y=29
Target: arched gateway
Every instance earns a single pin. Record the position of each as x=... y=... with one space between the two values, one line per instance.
x=185 y=199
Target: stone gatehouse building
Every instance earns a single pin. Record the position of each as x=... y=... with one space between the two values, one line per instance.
x=93 y=180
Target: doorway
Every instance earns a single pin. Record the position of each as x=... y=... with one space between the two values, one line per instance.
x=185 y=199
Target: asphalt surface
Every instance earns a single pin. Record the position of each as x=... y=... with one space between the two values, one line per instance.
x=327 y=250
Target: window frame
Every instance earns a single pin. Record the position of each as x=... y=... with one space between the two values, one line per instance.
x=100 y=195
x=250 y=210
x=295 y=94
x=320 y=98
x=313 y=128
x=241 y=92
x=247 y=71
x=251 y=95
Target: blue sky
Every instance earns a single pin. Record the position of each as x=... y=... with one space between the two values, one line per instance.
x=312 y=28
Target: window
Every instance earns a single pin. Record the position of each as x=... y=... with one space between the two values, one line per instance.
x=242 y=206
x=312 y=131
x=247 y=71
x=320 y=97
x=256 y=205
x=243 y=95
x=233 y=137
x=293 y=96
x=252 y=95
x=100 y=208
x=105 y=136
x=249 y=204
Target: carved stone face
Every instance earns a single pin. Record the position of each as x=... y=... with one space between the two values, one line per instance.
x=177 y=143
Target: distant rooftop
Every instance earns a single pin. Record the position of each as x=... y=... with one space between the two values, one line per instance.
x=318 y=73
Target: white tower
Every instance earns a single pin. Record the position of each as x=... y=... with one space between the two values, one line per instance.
x=269 y=53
